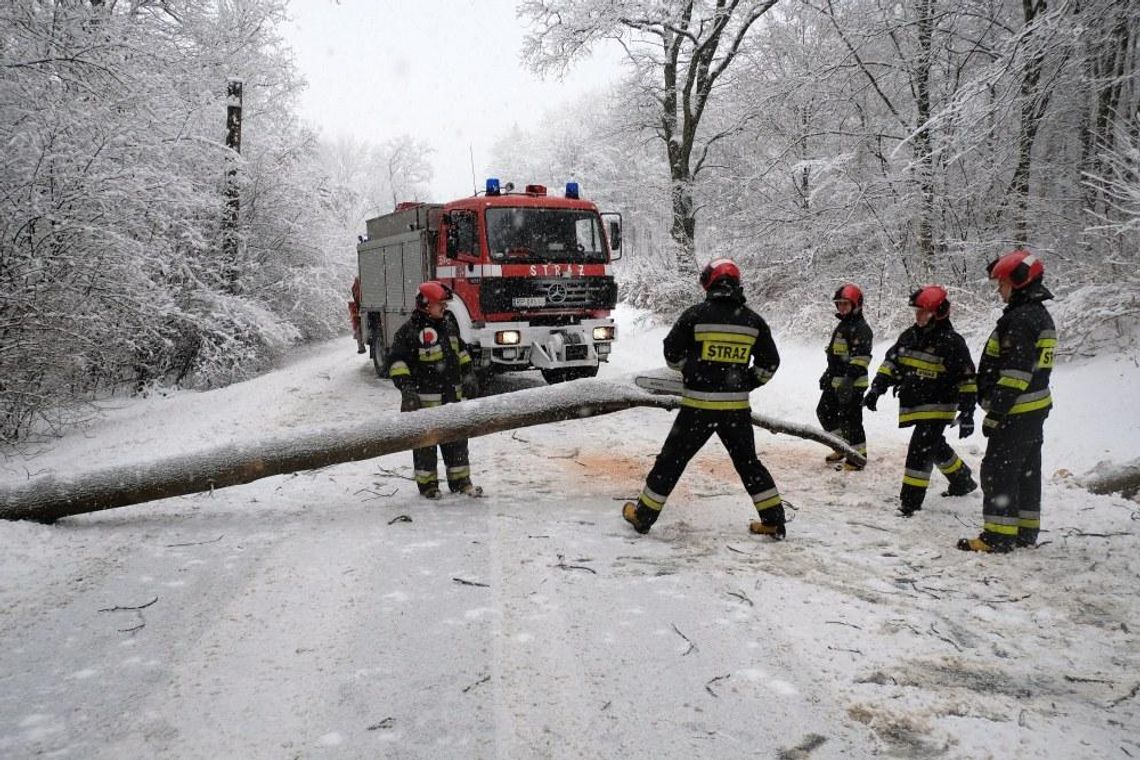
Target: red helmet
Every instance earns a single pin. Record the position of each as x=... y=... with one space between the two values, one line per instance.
x=849 y=292
x=1019 y=266
x=932 y=298
x=720 y=269
x=431 y=291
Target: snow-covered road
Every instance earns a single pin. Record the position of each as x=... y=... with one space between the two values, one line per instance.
x=335 y=614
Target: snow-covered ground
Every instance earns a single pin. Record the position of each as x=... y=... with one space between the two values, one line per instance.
x=335 y=614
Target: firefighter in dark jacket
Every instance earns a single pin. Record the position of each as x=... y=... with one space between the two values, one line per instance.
x=840 y=409
x=724 y=350
x=934 y=374
x=1013 y=385
x=429 y=364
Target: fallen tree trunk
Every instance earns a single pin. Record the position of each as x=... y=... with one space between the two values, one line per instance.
x=48 y=498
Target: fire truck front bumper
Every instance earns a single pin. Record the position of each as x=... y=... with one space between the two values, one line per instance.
x=581 y=345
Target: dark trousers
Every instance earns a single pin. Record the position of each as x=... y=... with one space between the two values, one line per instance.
x=425 y=460
x=1011 y=481
x=690 y=431
x=928 y=447
x=455 y=459
x=844 y=420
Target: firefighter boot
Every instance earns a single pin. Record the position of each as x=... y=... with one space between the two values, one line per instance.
x=777 y=531
x=982 y=544
x=431 y=492
x=630 y=512
x=471 y=490
x=961 y=487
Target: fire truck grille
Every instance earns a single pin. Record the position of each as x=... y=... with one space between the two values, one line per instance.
x=518 y=294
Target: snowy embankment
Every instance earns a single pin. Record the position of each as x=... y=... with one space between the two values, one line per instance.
x=334 y=613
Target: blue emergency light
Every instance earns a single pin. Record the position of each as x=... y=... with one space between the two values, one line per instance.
x=572 y=190
x=492 y=186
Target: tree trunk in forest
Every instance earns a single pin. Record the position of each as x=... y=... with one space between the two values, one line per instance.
x=923 y=153
x=51 y=497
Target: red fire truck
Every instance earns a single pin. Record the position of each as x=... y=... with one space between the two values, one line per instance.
x=530 y=273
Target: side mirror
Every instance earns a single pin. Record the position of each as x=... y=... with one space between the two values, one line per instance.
x=613 y=232
x=615 y=236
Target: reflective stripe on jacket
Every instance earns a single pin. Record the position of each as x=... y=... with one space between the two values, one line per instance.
x=1013 y=376
x=723 y=350
x=933 y=371
x=849 y=352
x=430 y=357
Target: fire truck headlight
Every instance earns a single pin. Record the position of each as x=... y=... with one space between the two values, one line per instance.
x=606 y=332
x=508 y=337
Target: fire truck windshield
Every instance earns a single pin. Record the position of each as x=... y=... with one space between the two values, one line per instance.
x=544 y=235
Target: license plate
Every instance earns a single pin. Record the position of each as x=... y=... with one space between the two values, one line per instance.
x=525 y=303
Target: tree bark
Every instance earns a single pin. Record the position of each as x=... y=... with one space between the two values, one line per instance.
x=51 y=497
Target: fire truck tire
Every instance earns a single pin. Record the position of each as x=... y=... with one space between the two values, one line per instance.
x=379 y=355
x=552 y=376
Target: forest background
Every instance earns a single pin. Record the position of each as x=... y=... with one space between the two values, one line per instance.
x=814 y=141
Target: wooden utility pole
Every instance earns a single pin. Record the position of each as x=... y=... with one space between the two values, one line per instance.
x=231 y=269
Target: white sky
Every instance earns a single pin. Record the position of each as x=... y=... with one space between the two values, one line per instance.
x=444 y=71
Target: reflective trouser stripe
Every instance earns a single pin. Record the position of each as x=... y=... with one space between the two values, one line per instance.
x=423 y=477
x=952 y=466
x=651 y=500
x=916 y=478
x=766 y=499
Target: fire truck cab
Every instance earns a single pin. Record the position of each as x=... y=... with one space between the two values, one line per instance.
x=530 y=275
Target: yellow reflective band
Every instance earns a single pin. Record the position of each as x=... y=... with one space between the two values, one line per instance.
x=1013 y=382
x=952 y=467
x=1032 y=406
x=426 y=477
x=716 y=406
x=862 y=382
x=725 y=337
x=993 y=348
x=909 y=361
x=1004 y=530
x=397 y=369
x=887 y=370
x=650 y=503
x=861 y=361
x=768 y=503
x=464 y=359
x=927 y=415
x=1026 y=523
x=969 y=387
x=916 y=482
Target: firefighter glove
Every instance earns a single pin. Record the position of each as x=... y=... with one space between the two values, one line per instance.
x=470 y=385
x=845 y=391
x=965 y=425
x=409 y=399
x=871 y=401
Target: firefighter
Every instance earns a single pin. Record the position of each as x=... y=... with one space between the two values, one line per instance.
x=934 y=377
x=354 y=316
x=723 y=350
x=1013 y=384
x=429 y=364
x=840 y=409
